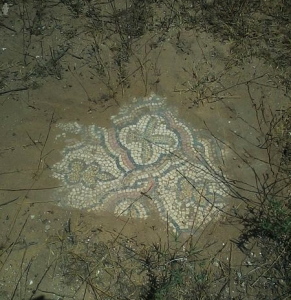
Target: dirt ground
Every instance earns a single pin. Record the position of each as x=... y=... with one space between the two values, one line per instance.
x=82 y=61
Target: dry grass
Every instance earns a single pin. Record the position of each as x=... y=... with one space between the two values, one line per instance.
x=118 y=267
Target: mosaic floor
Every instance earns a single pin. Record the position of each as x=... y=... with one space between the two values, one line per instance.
x=148 y=162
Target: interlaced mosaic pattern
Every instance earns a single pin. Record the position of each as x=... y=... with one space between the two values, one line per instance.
x=148 y=162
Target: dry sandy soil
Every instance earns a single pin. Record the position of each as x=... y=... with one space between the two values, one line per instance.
x=77 y=61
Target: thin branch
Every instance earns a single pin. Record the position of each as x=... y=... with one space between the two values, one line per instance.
x=29 y=189
x=14 y=90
